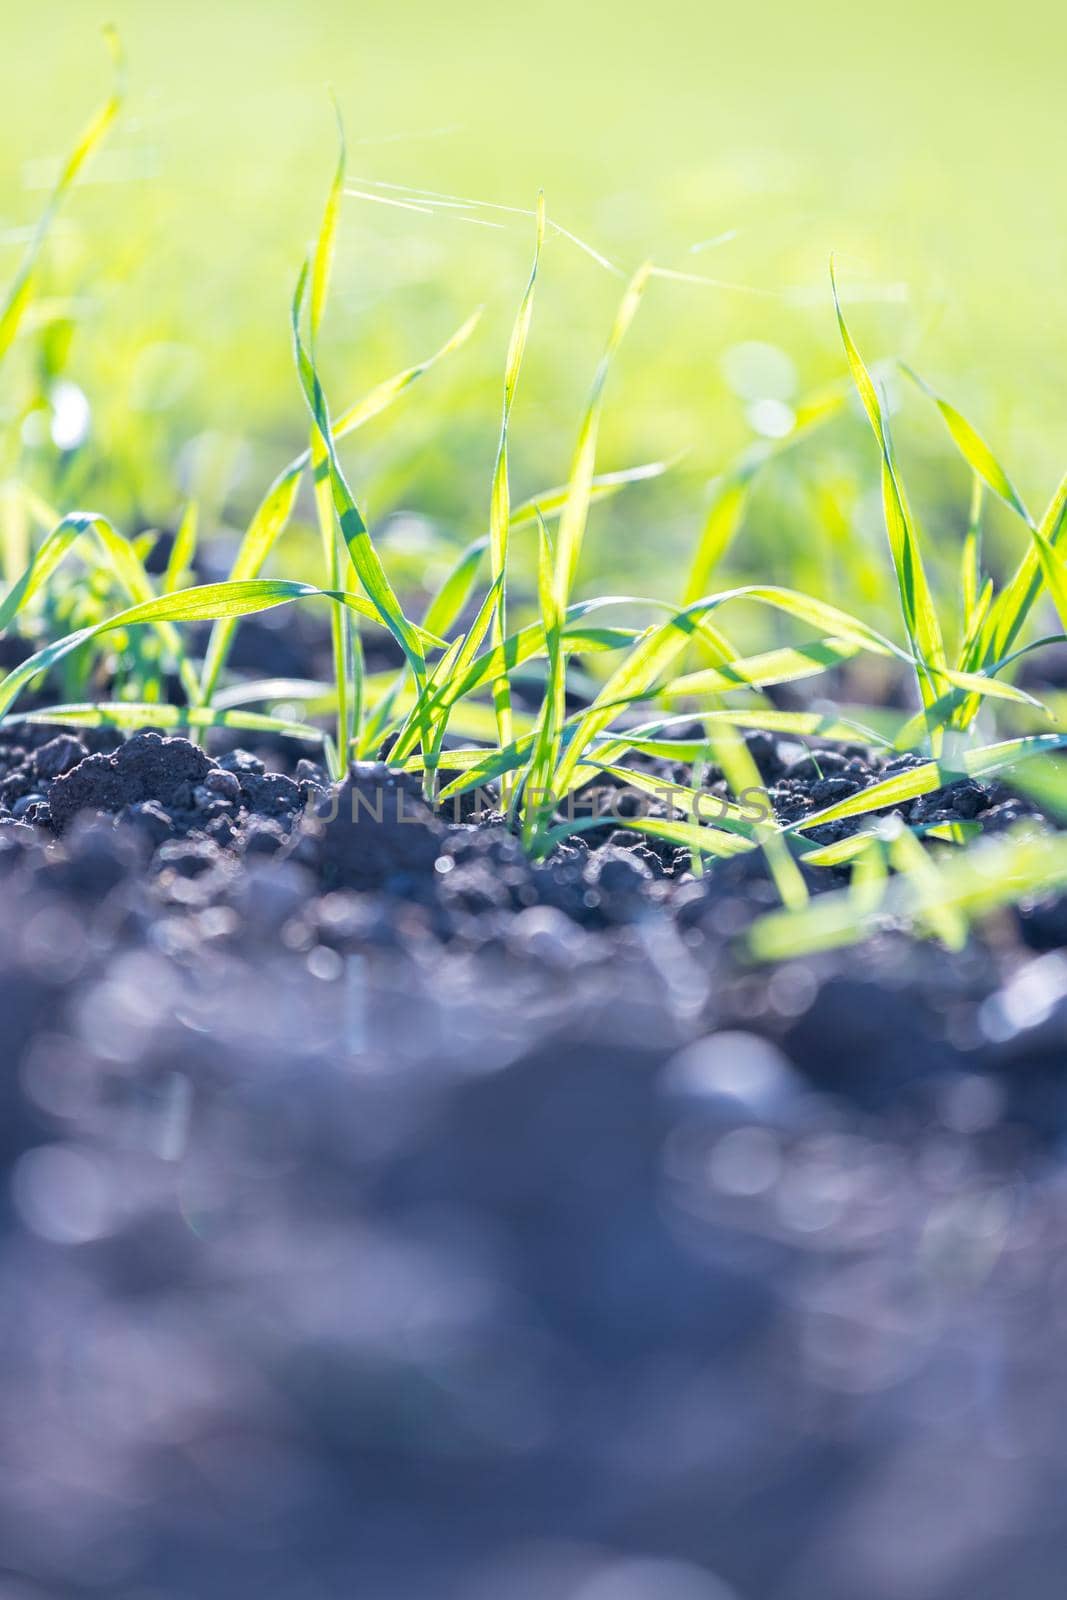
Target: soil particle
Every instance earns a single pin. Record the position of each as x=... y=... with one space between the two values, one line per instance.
x=58 y=756
x=146 y=767
x=374 y=831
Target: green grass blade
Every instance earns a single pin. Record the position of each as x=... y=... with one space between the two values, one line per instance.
x=973 y=448
x=500 y=496
x=538 y=801
x=724 y=517
x=707 y=840
x=360 y=546
x=200 y=604
x=267 y=524
x=769 y=667
x=550 y=502
x=1016 y=600
x=902 y=787
x=384 y=394
x=322 y=259
x=21 y=288
x=576 y=508
x=183 y=550
x=732 y=756
x=916 y=599
x=129 y=715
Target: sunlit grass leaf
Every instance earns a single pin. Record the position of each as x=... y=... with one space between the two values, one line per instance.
x=550 y=502
x=842 y=851
x=264 y=689
x=183 y=550
x=733 y=757
x=969 y=884
x=1013 y=604
x=200 y=604
x=769 y=667
x=322 y=258
x=973 y=448
x=537 y=797
x=902 y=787
x=971 y=567
x=724 y=517
x=1054 y=571
x=20 y=289
x=383 y=395
x=360 y=546
x=575 y=512
x=916 y=599
x=500 y=494
x=131 y=715
x=695 y=803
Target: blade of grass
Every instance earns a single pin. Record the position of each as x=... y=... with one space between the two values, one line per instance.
x=131 y=715
x=734 y=759
x=203 y=603
x=579 y=489
x=538 y=802
x=500 y=496
x=20 y=289
x=970 y=884
x=913 y=782
x=360 y=546
x=183 y=550
x=973 y=448
x=917 y=603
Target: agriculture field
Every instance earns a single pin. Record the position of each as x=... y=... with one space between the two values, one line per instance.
x=533 y=802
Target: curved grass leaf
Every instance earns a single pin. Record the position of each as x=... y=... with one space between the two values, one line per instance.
x=183 y=550
x=579 y=488
x=973 y=448
x=500 y=496
x=769 y=667
x=691 y=836
x=1015 y=601
x=902 y=787
x=734 y=759
x=365 y=558
x=204 y=603
x=969 y=884
x=917 y=604
x=131 y=715
x=20 y=289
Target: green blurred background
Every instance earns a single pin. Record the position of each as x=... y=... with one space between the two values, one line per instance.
x=924 y=145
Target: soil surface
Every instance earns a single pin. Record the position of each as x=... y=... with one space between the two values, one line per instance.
x=388 y=1215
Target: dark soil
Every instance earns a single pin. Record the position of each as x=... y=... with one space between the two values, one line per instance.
x=390 y=1216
